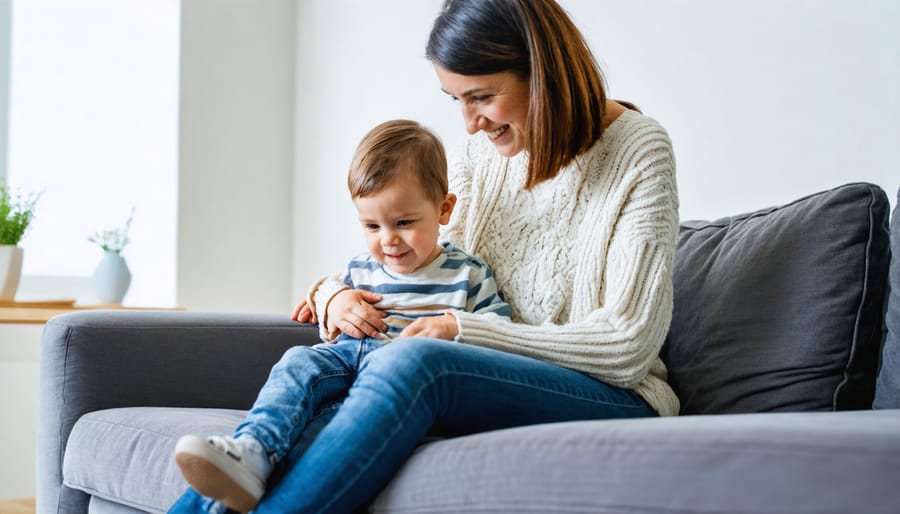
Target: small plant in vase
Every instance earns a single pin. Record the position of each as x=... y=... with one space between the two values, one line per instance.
x=16 y=214
x=112 y=277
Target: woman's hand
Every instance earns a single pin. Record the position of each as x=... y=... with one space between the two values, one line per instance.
x=438 y=327
x=304 y=313
x=351 y=312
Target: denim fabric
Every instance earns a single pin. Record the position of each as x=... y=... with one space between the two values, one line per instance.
x=304 y=379
x=408 y=389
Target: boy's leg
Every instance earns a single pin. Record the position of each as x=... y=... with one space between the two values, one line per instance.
x=192 y=502
x=234 y=470
x=303 y=380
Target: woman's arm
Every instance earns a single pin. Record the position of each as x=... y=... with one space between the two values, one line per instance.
x=618 y=324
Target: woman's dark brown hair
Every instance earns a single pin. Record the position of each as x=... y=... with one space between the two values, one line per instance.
x=536 y=40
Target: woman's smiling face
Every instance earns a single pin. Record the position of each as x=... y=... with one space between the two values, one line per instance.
x=496 y=103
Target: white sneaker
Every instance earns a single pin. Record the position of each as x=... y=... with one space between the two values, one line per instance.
x=231 y=471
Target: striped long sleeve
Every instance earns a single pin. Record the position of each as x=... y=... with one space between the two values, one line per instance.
x=454 y=281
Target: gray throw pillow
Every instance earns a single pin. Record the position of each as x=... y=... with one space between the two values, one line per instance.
x=887 y=390
x=781 y=309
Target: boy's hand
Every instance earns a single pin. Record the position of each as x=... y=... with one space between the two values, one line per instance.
x=351 y=312
x=304 y=313
x=438 y=327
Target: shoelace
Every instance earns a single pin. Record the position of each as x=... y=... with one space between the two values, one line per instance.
x=227 y=445
x=235 y=450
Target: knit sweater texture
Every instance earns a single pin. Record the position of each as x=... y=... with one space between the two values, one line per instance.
x=584 y=260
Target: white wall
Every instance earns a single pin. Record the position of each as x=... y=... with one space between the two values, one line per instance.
x=19 y=375
x=765 y=101
x=236 y=155
x=358 y=64
x=5 y=26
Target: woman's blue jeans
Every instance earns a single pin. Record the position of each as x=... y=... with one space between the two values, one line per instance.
x=342 y=449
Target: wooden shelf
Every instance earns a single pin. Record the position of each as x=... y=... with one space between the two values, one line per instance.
x=38 y=312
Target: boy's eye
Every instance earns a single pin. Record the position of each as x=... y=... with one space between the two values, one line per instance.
x=370 y=226
x=404 y=223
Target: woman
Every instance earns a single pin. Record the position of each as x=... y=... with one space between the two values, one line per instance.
x=571 y=199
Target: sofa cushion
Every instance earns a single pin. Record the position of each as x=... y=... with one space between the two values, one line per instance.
x=781 y=309
x=126 y=456
x=887 y=389
x=731 y=463
x=809 y=462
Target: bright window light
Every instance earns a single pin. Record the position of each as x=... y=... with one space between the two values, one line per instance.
x=94 y=125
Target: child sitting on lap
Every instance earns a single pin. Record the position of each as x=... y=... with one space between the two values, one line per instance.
x=398 y=182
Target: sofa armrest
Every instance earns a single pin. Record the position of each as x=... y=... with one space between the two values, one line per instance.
x=95 y=360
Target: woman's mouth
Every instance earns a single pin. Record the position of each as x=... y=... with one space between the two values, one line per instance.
x=497 y=133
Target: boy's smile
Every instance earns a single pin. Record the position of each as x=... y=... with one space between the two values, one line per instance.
x=401 y=224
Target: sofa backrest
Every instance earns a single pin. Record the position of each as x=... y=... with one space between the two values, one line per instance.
x=887 y=388
x=782 y=309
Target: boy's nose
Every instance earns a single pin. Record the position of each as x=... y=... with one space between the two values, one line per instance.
x=388 y=239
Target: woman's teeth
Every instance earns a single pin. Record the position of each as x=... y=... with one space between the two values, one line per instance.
x=497 y=133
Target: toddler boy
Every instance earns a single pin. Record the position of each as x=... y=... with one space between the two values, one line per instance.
x=398 y=182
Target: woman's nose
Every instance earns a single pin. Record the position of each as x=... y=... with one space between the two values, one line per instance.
x=474 y=120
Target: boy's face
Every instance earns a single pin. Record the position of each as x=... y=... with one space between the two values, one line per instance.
x=401 y=224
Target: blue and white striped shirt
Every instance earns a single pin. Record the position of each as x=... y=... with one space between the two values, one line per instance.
x=454 y=280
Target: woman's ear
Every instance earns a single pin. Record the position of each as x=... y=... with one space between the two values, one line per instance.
x=447 y=205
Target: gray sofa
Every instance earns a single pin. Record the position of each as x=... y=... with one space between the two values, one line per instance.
x=778 y=349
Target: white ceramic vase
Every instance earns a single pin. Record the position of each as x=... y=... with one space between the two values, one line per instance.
x=10 y=271
x=111 y=278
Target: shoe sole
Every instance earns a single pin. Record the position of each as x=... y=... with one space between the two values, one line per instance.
x=199 y=467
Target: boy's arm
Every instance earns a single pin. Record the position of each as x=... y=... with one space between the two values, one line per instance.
x=484 y=295
x=353 y=314
x=484 y=298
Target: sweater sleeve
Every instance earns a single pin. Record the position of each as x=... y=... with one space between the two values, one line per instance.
x=617 y=338
x=320 y=293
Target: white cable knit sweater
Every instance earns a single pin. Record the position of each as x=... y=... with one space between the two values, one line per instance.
x=585 y=260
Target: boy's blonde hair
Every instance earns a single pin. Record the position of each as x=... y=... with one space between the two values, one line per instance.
x=396 y=148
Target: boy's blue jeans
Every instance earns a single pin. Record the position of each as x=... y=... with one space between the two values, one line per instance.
x=345 y=419
x=305 y=379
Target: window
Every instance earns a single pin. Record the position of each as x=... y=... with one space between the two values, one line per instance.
x=93 y=124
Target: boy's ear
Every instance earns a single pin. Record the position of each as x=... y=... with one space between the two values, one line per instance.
x=447 y=205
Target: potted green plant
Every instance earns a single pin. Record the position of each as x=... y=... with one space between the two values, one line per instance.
x=112 y=276
x=16 y=214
